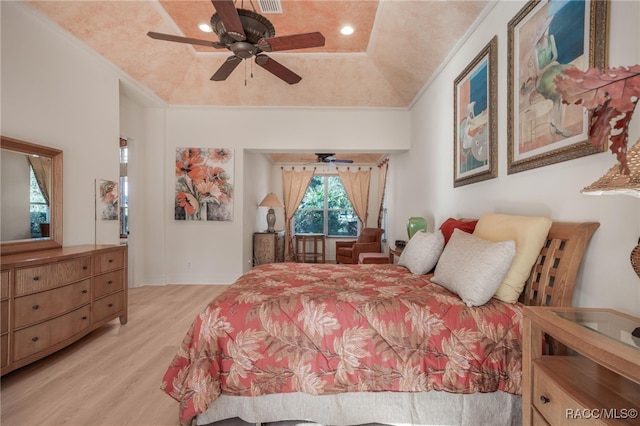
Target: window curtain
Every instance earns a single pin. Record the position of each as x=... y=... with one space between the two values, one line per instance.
x=294 y=186
x=42 y=171
x=356 y=185
x=382 y=186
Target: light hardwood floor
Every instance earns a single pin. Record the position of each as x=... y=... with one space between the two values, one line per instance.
x=112 y=376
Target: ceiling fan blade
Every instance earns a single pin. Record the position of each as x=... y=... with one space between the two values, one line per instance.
x=189 y=40
x=336 y=160
x=226 y=69
x=296 y=41
x=228 y=14
x=277 y=69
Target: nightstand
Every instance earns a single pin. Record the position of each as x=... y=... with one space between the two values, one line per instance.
x=268 y=247
x=599 y=383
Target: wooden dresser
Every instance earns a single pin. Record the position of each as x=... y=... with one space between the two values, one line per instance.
x=598 y=383
x=51 y=298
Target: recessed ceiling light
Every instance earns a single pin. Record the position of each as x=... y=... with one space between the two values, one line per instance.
x=346 y=30
x=204 y=27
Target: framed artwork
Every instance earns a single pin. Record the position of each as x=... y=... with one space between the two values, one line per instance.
x=475 y=122
x=107 y=198
x=545 y=38
x=204 y=184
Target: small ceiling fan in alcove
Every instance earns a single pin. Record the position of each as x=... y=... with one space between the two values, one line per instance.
x=329 y=158
x=247 y=34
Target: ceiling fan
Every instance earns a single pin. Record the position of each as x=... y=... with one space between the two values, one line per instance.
x=330 y=159
x=246 y=34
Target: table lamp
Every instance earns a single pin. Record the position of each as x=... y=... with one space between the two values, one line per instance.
x=415 y=224
x=271 y=200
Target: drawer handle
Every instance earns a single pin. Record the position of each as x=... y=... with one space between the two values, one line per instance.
x=34 y=339
x=85 y=267
x=36 y=278
x=109 y=282
x=110 y=305
x=110 y=260
x=85 y=291
x=35 y=307
x=84 y=317
x=544 y=399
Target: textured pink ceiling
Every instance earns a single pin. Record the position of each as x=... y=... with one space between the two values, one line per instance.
x=396 y=47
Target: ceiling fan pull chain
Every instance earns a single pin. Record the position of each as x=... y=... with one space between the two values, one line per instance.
x=245 y=73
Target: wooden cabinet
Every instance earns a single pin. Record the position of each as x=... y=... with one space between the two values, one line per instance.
x=52 y=298
x=597 y=383
x=268 y=247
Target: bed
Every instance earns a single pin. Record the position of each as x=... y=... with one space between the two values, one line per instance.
x=360 y=344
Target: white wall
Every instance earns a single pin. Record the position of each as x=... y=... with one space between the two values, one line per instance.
x=554 y=191
x=220 y=251
x=55 y=94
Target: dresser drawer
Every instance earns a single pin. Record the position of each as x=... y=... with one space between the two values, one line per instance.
x=31 y=340
x=537 y=419
x=4 y=285
x=38 y=278
x=4 y=350
x=108 y=283
x=108 y=306
x=4 y=316
x=108 y=261
x=551 y=400
x=40 y=306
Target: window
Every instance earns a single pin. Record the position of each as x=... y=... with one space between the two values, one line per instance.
x=38 y=207
x=326 y=209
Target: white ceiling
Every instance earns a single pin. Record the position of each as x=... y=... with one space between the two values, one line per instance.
x=397 y=47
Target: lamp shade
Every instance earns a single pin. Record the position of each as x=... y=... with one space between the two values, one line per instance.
x=271 y=200
x=616 y=182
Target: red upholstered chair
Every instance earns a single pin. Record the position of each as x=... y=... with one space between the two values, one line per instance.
x=369 y=241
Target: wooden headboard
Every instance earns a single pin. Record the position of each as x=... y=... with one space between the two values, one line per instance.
x=553 y=276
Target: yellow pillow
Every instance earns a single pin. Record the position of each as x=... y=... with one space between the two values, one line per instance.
x=529 y=233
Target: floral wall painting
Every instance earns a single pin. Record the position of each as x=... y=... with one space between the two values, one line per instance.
x=545 y=38
x=107 y=196
x=204 y=184
x=475 y=150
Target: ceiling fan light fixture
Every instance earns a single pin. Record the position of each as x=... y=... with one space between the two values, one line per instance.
x=205 y=27
x=347 y=30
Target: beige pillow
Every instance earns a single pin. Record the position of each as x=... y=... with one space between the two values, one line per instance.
x=529 y=233
x=422 y=252
x=472 y=267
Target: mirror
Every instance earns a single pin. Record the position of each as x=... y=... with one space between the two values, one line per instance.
x=30 y=224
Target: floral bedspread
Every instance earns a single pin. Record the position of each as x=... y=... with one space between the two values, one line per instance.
x=324 y=329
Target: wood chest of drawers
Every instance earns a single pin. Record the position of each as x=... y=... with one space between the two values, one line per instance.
x=51 y=298
x=598 y=383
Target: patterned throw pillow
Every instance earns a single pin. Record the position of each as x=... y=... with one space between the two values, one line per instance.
x=422 y=252
x=472 y=267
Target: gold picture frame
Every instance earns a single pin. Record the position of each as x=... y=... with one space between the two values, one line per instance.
x=475 y=149
x=543 y=38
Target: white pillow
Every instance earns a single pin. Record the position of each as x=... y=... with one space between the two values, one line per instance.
x=473 y=267
x=422 y=252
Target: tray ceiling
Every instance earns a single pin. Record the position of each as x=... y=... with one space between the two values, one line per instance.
x=395 y=49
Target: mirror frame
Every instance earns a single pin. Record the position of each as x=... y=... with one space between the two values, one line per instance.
x=55 y=205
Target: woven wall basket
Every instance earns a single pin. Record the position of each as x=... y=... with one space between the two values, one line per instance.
x=635 y=259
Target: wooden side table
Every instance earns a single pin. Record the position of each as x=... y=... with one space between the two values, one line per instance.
x=600 y=380
x=316 y=256
x=268 y=247
x=393 y=251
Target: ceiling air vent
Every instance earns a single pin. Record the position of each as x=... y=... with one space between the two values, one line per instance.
x=270 y=6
